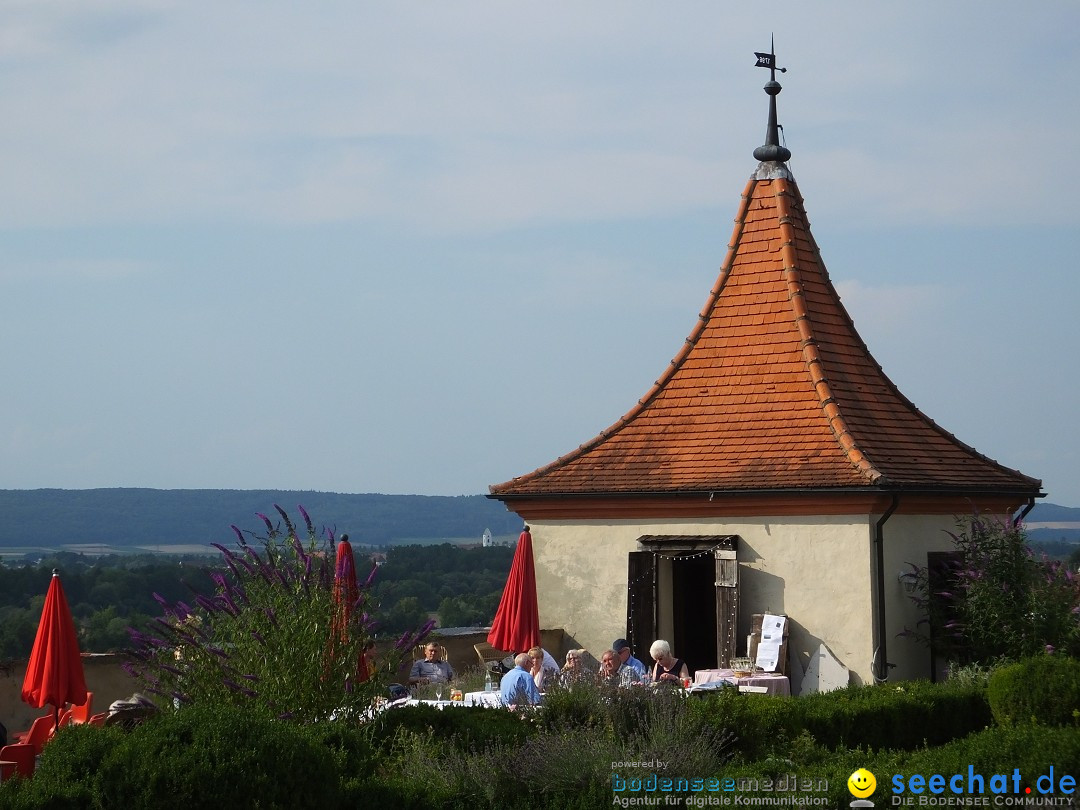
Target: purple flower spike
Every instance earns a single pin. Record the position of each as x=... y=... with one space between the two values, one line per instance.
x=231 y=684
x=266 y=520
x=239 y=534
x=370 y=577
x=307 y=518
x=258 y=637
x=287 y=519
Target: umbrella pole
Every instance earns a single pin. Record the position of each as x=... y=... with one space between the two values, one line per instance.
x=56 y=718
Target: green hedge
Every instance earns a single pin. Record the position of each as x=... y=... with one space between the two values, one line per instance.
x=903 y=717
x=476 y=758
x=466 y=727
x=1043 y=690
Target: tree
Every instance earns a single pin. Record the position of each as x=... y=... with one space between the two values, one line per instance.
x=997 y=600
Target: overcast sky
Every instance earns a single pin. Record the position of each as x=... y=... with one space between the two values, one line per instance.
x=426 y=247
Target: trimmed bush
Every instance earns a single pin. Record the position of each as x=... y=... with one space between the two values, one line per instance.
x=1031 y=749
x=64 y=775
x=216 y=757
x=904 y=716
x=1044 y=690
x=466 y=727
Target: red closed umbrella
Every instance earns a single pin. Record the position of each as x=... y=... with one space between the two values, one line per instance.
x=345 y=588
x=54 y=674
x=516 y=627
x=346 y=592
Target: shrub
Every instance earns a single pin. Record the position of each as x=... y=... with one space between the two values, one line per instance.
x=998 y=750
x=904 y=716
x=278 y=637
x=762 y=725
x=1044 y=690
x=64 y=774
x=221 y=756
x=998 y=600
x=464 y=728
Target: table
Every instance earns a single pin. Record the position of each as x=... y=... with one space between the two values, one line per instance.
x=772 y=682
x=7 y=769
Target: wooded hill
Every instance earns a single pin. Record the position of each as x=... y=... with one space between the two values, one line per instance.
x=52 y=518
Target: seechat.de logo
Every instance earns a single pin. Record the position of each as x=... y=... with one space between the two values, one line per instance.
x=861 y=784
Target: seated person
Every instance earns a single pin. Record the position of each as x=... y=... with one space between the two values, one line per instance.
x=517 y=686
x=575 y=669
x=542 y=667
x=609 y=666
x=630 y=670
x=431 y=669
x=667 y=668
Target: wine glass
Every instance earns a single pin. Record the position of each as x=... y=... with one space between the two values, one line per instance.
x=438 y=691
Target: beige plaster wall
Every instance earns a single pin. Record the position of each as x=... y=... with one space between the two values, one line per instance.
x=908 y=538
x=816 y=570
x=819 y=571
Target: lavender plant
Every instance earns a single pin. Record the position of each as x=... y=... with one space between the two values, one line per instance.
x=997 y=600
x=272 y=637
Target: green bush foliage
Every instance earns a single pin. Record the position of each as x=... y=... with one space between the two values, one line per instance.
x=903 y=716
x=1043 y=690
x=276 y=637
x=216 y=756
x=1032 y=750
x=64 y=774
x=997 y=600
x=464 y=728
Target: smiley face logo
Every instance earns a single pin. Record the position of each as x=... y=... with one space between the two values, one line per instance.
x=861 y=783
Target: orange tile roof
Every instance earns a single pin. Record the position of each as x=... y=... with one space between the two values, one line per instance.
x=774 y=390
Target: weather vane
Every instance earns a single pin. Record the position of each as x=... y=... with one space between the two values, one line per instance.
x=768 y=60
x=771 y=150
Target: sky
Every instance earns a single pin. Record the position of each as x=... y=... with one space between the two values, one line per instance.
x=422 y=248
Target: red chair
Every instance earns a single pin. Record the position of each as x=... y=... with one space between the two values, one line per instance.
x=38 y=734
x=98 y=719
x=81 y=714
x=22 y=754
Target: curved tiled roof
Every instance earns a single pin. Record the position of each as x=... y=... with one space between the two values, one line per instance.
x=774 y=389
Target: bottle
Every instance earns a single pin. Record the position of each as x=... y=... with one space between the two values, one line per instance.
x=488 y=685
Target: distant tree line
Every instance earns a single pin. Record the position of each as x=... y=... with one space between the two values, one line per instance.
x=107 y=595
x=51 y=518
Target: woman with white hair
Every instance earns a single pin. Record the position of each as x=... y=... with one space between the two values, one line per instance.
x=667 y=668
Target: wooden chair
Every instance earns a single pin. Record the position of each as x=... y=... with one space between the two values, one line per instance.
x=488 y=655
x=22 y=754
x=418 y=652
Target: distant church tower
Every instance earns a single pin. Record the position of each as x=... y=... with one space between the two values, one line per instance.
x=487 y=541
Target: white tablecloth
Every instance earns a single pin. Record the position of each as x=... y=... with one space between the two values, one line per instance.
x=492 y=700
x=774 y=683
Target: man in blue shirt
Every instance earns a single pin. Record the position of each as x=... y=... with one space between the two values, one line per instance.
x=517 y=686
x=432 y=669
x=630 y=670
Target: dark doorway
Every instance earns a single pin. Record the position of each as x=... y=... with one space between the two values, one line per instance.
x=684 y=588
x=694 y=610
